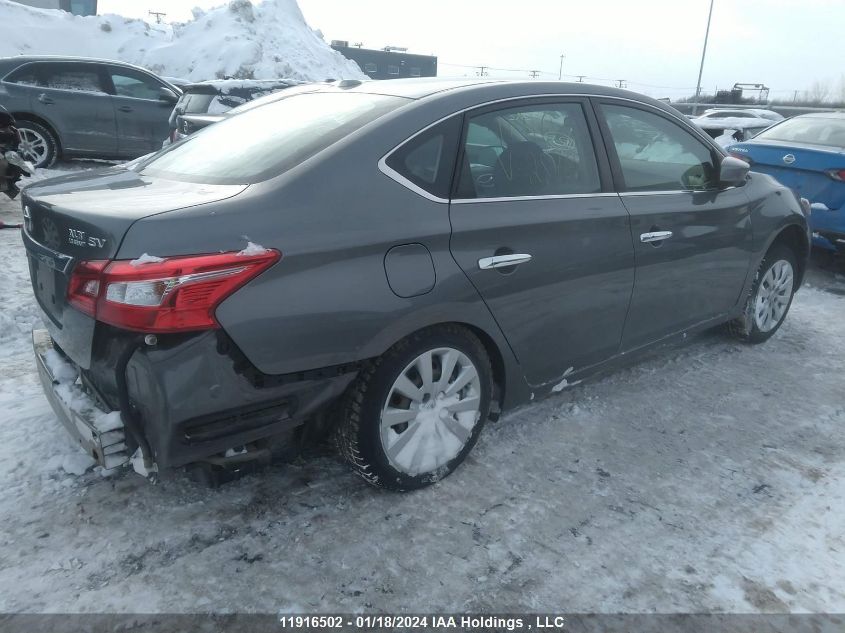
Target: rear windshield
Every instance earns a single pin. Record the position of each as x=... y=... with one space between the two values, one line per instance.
x=267 y=141
x=811 y=130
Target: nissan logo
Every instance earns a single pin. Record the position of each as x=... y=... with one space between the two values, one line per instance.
x=789 y=159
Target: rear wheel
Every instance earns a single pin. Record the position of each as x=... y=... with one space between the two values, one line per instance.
x=770 y=298
x=38 y=144
x=414 y=414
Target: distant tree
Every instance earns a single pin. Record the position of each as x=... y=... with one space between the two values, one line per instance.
x=819 y=92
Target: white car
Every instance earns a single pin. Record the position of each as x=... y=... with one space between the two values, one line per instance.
x=715 y=114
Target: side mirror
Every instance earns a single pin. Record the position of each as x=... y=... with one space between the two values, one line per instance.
x=732 y=171
x=167 y=95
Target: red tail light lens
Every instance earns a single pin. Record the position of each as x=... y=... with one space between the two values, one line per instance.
x=837 y=174
x=84 y=287
x=178 y=294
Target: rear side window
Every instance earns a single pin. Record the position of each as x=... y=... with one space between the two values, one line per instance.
x=656 y=154
x=529 y=150
x=25 y=75
x=428 y=160
x=73 y=77
x=261 y=143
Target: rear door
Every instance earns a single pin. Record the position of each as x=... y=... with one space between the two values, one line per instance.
x=73 y=97
x=140 y=112
x=692 y=239
x=540 y=234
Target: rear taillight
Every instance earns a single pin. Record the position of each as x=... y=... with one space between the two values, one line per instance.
x=178 y=294
x=836 y=174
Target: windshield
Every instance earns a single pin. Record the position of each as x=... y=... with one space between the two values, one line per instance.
x=264 y=142
x=811 y=130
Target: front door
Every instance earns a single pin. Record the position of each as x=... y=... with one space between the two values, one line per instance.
x=692 y=238
x=142 y=115
x=546 y=245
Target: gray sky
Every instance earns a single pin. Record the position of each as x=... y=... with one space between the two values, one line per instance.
x=653 y=44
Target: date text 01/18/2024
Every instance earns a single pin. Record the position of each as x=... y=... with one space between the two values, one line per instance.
x=463 y=622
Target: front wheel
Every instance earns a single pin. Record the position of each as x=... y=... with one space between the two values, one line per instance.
x=414 y=414
x=770 y=298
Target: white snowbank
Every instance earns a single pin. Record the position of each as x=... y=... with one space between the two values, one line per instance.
x=239 y=40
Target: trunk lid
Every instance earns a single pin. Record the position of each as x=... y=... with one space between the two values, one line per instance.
x=85 y=217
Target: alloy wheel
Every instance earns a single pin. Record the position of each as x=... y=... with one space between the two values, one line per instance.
x=430 y=411
x=773 y=295
x=33 y=146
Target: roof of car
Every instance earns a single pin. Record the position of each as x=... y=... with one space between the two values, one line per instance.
x=421 y=87
x=22 y=59
x=839 y=114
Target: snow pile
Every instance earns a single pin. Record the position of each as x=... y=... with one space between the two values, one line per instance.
x=239 y=40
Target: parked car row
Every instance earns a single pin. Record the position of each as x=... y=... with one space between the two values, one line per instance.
x=206 y=102
x=77 y=107
x=427 y=254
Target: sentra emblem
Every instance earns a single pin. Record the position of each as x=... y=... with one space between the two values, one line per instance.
x=77 y=237
x=789 y=159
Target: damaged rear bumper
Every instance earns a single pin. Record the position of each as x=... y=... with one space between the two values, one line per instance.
x=98 y=432
x=193 y=397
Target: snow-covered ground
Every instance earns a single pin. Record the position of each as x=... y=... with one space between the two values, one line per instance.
x=706 y=477
x=266 y=39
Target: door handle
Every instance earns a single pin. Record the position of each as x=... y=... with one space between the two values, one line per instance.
x=124 y=108
x=503 y=261
x=43 y=98
x=655 y=236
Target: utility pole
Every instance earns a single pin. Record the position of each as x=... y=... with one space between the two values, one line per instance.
x=560 y=72
x=620 y=83
x=533 y=73
x=703 y=53
x=482 y=71
x=581 y=78
x=159 y=15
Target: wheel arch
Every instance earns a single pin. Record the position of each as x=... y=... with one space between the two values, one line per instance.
x=794 y=237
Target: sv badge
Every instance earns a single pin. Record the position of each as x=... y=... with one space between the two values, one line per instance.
x=79 y=238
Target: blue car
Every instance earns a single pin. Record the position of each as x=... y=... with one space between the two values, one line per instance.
x=807 y=154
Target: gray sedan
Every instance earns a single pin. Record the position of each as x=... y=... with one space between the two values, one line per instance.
x=391 y=264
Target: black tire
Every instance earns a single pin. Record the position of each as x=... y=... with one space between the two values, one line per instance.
x=358 y=435
x=50 y=141
x=746 y=327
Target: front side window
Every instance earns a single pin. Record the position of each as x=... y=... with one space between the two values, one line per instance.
x=128 y=83
x=264 y=142
x=74 y=77
x=530 y=150
x=655 y=154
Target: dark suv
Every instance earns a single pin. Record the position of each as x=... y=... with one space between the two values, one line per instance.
x=78 y=107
